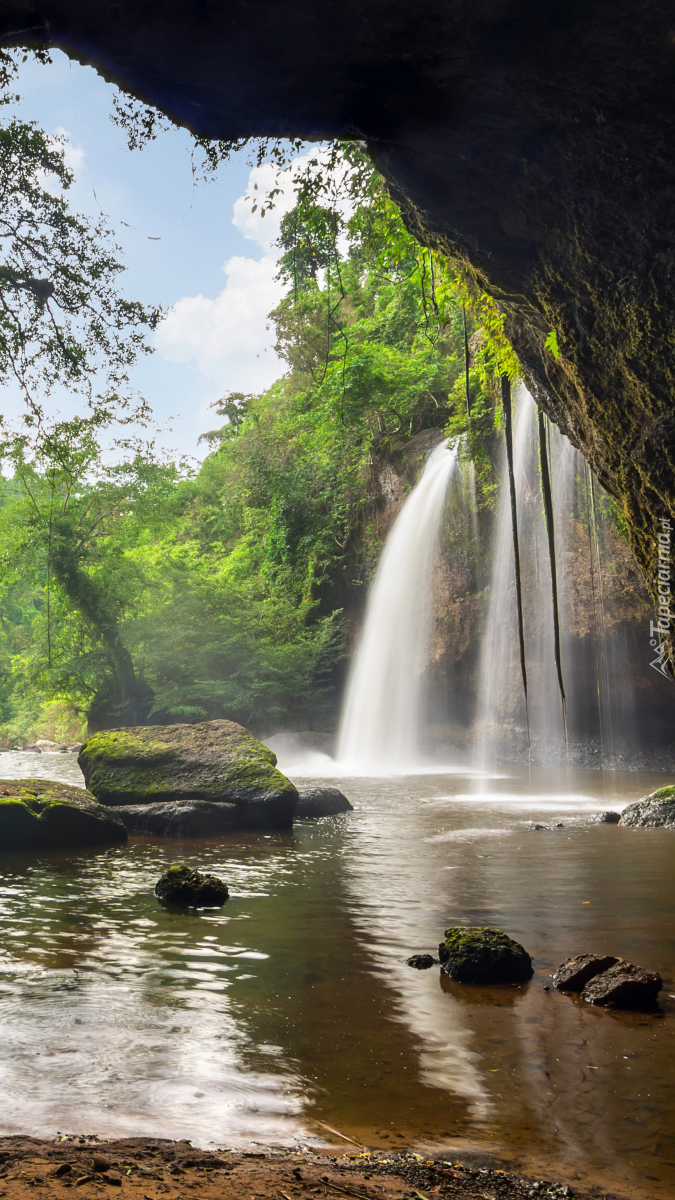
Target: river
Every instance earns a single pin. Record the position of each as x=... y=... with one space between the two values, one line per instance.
x=292 y=1008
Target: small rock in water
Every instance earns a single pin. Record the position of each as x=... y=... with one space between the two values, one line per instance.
x=483 y=956
x=575 y=973
x=606 y=818
x=321 y=802
x=421 y=962
x=190 y=889
x=624 y=986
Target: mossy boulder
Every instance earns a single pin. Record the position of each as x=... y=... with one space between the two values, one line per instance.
x=38 y=814
x=484 y=956
x=217 y=761
x=184 y=888
x=656 y=811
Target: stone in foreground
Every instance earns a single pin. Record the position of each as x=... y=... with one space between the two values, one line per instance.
x=483 y=956
x=656 y=811
x=216 y=761
x=38 y=814
x=321 y=802
x=184 y=888
x=178 y=819
x=421 y=962
x=574 y=973
x=624 y=986
x=608 y=817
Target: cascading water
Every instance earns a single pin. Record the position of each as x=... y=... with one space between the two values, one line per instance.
x=599 y=701
x=499 y=649
x=381 y=713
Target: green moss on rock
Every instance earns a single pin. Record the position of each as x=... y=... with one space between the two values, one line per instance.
x=187 y=888
x=218 y=761
x=483 y=956
x=656 y=811
x=38 y=814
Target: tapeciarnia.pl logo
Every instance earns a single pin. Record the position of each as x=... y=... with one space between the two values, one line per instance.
x=658 y=628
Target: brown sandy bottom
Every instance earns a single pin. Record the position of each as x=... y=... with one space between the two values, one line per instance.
x=154 y=1169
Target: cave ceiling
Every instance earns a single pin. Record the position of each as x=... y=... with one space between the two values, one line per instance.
x=535 y=140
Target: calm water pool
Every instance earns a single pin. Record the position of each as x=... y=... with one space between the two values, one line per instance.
x=292 y=1008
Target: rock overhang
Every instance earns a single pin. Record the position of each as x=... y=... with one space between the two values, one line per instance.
x=531 y=140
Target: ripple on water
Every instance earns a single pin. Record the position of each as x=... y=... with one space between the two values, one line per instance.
x=294 y=1004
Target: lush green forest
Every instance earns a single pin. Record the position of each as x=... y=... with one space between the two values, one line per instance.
x=137 y=589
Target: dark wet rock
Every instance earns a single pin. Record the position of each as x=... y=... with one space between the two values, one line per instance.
x=38 y=814
x=421 y=962
x=321 y=802
x=483 y=956
x=575 y=973
x=178 y=819
x=656 y=811
x=624 y=986
x=608 y=817
x=216 y=761
x=184 y=888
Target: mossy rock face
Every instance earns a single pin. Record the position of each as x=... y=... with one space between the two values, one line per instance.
x=183 y=888
x=483 y=956
x=218 y=761
x=38 y=814
x=656 y=811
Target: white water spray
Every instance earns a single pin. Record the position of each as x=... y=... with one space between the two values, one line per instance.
x=382 y=707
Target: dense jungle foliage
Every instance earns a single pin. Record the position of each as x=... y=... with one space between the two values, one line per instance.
x=152 y=590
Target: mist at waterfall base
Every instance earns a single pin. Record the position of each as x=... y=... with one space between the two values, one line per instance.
x=401 y=714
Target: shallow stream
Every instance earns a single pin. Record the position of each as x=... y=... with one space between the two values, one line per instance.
x=292 y=1009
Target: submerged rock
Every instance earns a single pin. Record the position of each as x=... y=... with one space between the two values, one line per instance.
x=321 y=802
x=178 y=818
x=624 y=986
x=574 y=973
x=421 y=962
x=38 y=814
x=216 y=761
x=656 y=811
x=478 y=955
x=190 y=889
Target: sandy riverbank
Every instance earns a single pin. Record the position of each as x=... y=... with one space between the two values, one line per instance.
x=153 y=1169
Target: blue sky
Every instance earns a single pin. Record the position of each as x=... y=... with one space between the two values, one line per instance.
x=214 y=262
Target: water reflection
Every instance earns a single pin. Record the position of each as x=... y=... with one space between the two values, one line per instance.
x=293 y=1005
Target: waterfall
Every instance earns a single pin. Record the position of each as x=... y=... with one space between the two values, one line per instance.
x=598 y=699
x=498 y=666
x=382 y=706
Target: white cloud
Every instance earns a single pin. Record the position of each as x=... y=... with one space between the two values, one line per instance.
x=264 y=230
x=74 y=156
x=227 y=340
